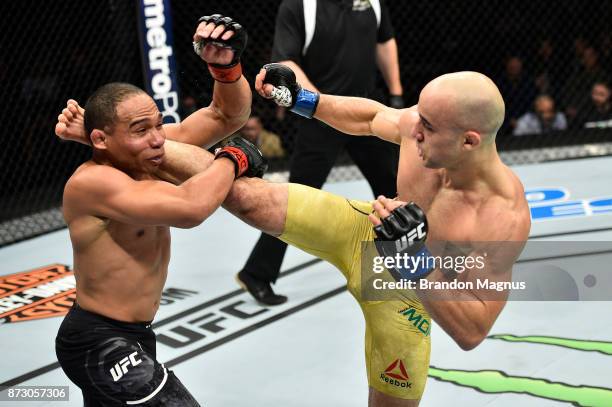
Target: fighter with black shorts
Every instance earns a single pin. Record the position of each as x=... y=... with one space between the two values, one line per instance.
x=119 y=215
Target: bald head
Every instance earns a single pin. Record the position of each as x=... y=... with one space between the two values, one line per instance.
x=466 y=101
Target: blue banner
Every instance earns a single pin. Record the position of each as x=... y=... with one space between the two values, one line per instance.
x=159 y=65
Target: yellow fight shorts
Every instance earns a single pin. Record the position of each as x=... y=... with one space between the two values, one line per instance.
x=397 y=341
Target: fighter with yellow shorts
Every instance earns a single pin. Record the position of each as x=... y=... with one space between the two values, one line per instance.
x=397 y=341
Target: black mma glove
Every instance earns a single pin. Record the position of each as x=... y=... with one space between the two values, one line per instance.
x=288 y=93
x=247 y=158
x=396 y=101
x=237 y=43
x=402 y=234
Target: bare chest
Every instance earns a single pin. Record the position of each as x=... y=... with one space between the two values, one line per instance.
x=134 y=239
x=450 y=216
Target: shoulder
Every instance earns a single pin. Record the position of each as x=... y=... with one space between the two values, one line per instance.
x=91 y=178
x=506 y=216
x=407 y=120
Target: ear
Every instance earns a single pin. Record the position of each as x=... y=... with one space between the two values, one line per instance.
x=471 y=140
x=98 y=139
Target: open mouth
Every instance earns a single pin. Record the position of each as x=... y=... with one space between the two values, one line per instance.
x=157 y=160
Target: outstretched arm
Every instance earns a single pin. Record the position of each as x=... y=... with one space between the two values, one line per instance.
x=219 y=43
x=351 y=115
x=104 y=191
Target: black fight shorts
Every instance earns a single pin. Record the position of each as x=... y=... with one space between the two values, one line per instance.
x=114 y=362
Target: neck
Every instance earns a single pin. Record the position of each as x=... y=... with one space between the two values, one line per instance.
x=478 y=170
x=103 y=159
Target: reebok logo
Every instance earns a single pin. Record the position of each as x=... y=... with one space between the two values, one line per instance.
x=121 y=368
x=396 y=375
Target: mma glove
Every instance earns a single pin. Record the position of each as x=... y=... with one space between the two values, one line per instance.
x=288 y=93
x=237 y=43
x=247 y=158
x=403 y=233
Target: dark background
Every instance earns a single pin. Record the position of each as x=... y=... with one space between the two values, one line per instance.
x=54 y=50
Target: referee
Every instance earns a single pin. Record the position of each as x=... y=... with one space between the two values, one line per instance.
x=334 y=47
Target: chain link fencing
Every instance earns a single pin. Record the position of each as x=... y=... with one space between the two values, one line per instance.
x=52 y=51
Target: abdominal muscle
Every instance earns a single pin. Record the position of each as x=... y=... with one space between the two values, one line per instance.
x=121 y=273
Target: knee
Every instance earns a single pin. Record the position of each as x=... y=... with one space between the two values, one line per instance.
x=239 y=199
x=260 y=203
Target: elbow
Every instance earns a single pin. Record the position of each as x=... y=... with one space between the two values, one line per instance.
x=469 y=340
x=188 y=222
x=239 y=200
x=192 y=217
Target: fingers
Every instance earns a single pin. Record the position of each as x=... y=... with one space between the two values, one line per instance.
x=60 y=129
x=383 y=206
x=380 y=209
x=74 y=104
x=374 y=219
x=212 y=31
x=264 y=90
x=267 y=90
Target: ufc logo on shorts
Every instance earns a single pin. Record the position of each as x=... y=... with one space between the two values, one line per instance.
x=121 y=368
x=408 y=239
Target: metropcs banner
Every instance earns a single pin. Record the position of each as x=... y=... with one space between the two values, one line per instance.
x=159 y=65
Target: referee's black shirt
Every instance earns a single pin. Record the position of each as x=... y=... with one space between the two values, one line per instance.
x=341 y=58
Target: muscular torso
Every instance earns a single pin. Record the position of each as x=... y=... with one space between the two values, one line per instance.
x=120 y=268
x=452 y=214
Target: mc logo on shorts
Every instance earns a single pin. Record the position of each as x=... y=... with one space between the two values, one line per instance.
x=417 y=320
x=395 y=374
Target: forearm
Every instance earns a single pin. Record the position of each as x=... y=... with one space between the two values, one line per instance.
x=460 y=319
x=466 y=315
x=227 y=113
x=232 y=102
x=206 y=191
x=183 y=161
x=349 y=115
x=259 y=203
x=388 y=64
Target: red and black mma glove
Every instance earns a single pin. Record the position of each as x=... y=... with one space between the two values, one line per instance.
x=237 y=43
x=403 y=233
x=288 y=93
x=247 y=158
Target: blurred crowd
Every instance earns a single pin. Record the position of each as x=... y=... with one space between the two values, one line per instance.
x=558 y=90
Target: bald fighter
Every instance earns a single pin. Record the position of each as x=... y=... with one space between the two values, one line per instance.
x=456 y=185
x=119 y=212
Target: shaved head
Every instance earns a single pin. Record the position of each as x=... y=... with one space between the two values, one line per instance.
x=467 y=101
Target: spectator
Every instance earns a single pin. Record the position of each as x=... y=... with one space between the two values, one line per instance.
x=598 y=112
x=544 y=119
x=188 y=106
x=518 y=90
x=547 y=68
x=579 y=85
x=268 y=143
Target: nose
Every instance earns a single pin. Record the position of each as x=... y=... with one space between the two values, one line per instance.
x=158 y=138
